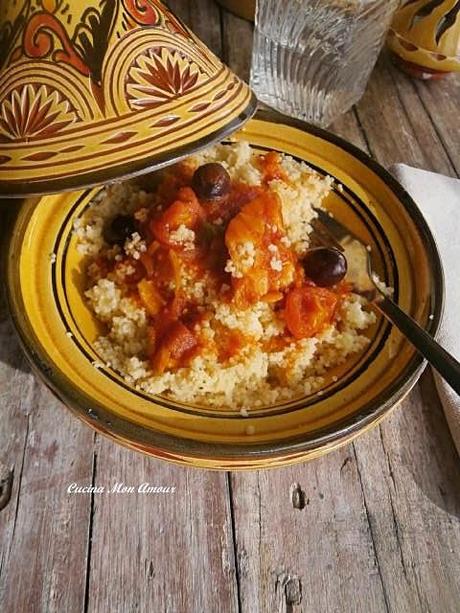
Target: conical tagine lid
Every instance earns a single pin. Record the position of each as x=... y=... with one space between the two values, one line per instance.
x=96 y=90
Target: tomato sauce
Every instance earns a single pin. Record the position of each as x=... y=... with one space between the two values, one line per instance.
x=190 y=242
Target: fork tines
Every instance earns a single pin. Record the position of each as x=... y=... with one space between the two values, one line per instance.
x=331 y=232
x=322 y=235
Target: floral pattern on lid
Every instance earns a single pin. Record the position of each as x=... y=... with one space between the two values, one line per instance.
x=124 y=82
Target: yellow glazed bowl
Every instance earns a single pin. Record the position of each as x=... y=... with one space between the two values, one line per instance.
x=45 y=280
x=91 y=91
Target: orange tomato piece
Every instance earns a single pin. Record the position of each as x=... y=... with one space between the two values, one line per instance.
x=229 y=342
x=171 y=179
x=272 y=297
x=169 y=314
x=151 y=340
x=251 y=222
x=150 y=296
x=260 y=224
x=147 y=261
x=163 y=266
x=184 y=211
x=309 y=310
x=177 y=343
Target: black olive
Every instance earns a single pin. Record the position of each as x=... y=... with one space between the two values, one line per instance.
x=325 y=266
x=211 y=181
x=119 y=229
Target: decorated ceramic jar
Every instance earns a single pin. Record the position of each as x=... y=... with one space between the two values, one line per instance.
x=95 y=90
x=425 y=37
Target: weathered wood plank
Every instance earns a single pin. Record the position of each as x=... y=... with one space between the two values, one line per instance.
x=347 y=126
x=203 y=17
x=14 y=375
x=411 y=480
x=379 y=529
x=304 y=541
x=237 y=44
x=420 y=119
x=393 y=117
x=441 y=101
x=160 y=552
x=43 y=530
x=50 y=526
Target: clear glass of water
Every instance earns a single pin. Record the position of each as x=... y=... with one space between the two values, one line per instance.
x=312 y=58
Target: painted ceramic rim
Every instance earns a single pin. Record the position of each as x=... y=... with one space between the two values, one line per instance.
x=185 y=450
x=127 y=170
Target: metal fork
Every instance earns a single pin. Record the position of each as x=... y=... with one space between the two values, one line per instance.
x=330 y=232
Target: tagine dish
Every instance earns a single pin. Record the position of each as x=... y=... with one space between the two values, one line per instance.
x=197 y=314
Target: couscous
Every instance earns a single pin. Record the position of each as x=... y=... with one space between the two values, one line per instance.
x=198 y=274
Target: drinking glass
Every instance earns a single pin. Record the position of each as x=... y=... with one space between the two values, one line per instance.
x=312 y=58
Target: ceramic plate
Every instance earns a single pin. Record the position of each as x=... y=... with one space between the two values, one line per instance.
x=57 y=329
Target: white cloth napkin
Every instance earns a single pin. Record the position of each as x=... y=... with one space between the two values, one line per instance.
x=438 y=197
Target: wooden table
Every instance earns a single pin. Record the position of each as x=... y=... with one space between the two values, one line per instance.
x=372 y=527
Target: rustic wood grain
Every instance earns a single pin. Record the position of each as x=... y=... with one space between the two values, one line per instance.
x=441 y=102
x=236 y=43
x=393 y=117
x=203 y=17
x=43 y=530
x=410 y=475
x=174 y=552
x=303 y=539
x=428 y=121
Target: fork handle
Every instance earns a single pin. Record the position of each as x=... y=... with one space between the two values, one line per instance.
x=446 y=365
